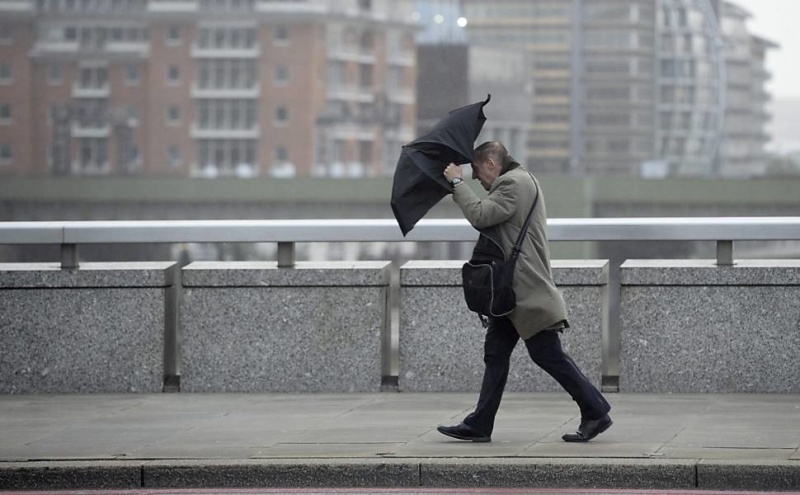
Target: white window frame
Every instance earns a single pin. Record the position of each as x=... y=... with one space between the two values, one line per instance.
x=6 y=67
x=174 y=159
x=170 y=81
x=282 y=75
x=170 y=41
x=133 y=81
x=280 y=40
x=6 y=120
x=6 y=36
x=172 y=120
x=51 y=79
x=282 y=122
x=6 y=149
x=95 y=145
x=98 y=76
x=278 y=160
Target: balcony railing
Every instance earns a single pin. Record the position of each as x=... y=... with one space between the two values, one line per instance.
x=79 y=91
x=197 y=132
x=252 y=92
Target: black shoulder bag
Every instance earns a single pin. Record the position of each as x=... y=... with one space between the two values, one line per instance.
x=488 y=285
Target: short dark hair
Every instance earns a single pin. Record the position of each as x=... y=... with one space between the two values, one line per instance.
x=496 y=150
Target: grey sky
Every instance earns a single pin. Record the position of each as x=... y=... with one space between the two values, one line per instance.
x=776 y=20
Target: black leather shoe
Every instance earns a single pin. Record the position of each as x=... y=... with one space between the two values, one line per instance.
x=589 y=429
x=463 y=432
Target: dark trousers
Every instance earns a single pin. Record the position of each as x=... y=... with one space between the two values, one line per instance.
x=545 y=350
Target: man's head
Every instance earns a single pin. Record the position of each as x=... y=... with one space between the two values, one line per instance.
x=489 y=160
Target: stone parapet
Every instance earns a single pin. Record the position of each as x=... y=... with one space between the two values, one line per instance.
x=97 y=329
x=254 y=327
x=690 y=326
x=441 y=340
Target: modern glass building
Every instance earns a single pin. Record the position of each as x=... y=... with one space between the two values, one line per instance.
x=636 y=87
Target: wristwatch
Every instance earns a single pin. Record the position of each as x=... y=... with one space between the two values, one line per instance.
x=456 y=181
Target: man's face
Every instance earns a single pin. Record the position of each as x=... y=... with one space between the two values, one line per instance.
x=485 y=171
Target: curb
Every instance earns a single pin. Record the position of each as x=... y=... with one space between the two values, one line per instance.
x=411 y=472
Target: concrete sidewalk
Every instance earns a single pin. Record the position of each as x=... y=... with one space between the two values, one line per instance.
x=389 y=439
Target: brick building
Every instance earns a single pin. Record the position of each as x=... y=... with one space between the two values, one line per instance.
x=205 y=88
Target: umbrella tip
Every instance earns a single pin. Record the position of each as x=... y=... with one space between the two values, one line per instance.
x=488 y=98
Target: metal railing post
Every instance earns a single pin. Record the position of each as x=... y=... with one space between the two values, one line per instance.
x=611 y=334
x=69 y=257
x=286 y=255
x=724 y=253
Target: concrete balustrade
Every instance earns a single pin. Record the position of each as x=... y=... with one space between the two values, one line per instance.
x=686 y=326
x=691 y=326
x=254 y=327
x=441 y=341
x=97 y=329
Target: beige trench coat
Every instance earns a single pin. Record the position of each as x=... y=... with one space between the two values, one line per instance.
x=539 y=303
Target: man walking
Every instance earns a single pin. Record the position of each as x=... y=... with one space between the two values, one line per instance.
x=540 y=314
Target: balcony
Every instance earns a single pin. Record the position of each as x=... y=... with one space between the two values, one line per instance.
x=403 y=96
x=402 y=59
x=82 y=131
x=172 y=7
x=217 y=93
x=351 y=54
x=229 y=52
x=140 y=48
x=198 y=132
x=55 y=48
x=351 y=93
x=91 y=92
x=283 y=7
x=17 y=7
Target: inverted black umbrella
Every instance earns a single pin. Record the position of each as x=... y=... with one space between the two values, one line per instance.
x=419 y=182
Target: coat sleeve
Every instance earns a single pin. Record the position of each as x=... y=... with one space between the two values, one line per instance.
x=495 y=209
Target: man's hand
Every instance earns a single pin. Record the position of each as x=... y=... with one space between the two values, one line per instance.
x=452 y=171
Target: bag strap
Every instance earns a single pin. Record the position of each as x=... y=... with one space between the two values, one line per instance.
x=518 y=245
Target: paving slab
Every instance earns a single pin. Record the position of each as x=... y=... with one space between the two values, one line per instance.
x=263 y=440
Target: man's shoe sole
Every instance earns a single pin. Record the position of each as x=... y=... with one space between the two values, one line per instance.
x=461 y=437
x=583 y=440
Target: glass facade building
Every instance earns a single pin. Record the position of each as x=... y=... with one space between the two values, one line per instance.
x=636 y=87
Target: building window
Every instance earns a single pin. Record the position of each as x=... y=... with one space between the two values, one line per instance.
x=93 y=77
x=55 y=74
x=281 y=115
x=5 y=34
x=365 y=76
x=365 y=151
x=281 y=75
x=5 y=113
x=281 y=35
x=226 y=114
x=132 y=75
x=281 y=155
x=173 y=115
x=226 y=156
x=226 y=74
x=5 y=73
x=174 y=35
x=93 y=154
x=173 y=156
x=226 y=38
x=173 y=75
x=6 y=154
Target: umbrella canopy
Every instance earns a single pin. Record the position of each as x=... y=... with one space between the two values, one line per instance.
x=419 y=182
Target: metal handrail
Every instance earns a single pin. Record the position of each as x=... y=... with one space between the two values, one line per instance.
x=70 y=234
x=386 y=230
